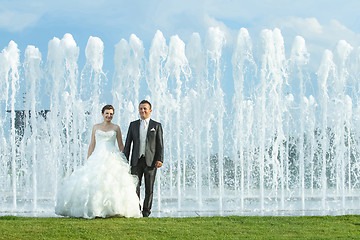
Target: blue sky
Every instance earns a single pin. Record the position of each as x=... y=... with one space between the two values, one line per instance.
x=322 y=23
x=36 y=22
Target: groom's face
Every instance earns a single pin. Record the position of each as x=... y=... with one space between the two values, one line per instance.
x=144 y=110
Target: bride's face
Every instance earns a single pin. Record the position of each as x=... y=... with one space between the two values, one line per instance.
x=108 y=115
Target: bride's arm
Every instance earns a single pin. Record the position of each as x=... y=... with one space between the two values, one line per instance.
x=119 y=139
x=92 y=143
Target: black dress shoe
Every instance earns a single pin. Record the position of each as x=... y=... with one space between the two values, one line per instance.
x=146 y=214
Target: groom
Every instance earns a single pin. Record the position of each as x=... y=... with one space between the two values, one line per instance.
x=146 y=136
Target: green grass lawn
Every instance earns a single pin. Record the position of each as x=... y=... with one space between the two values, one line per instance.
x=232 y=227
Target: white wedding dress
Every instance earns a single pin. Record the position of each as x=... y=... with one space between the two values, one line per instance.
x=103 y=187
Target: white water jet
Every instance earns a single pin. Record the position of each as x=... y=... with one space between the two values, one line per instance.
x=129 y=72
x=93 y=76
x=33 y=74
x=11 y=58
x=326 y=70
x=242 y=61
x=298 y=60
x=177 y=71
x=271 y=114
x=215 y=43
x=340 y=125
x=195 y=56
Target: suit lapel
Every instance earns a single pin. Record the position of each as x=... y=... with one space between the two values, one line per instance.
x=137 y=129
x=151 y=123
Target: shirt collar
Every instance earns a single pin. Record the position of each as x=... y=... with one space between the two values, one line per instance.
x=147 y=120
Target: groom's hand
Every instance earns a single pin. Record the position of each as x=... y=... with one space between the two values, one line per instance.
x=158 y=164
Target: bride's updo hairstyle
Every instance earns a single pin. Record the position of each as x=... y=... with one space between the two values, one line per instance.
x=107 y=107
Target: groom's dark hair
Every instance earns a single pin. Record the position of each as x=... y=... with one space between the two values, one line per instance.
x=145 y=101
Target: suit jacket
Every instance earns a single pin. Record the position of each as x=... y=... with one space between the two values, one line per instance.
x=154 y=150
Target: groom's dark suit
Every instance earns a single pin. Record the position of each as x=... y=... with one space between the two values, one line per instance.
x=140 y=166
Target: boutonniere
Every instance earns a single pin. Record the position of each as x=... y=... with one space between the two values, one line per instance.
x=152 y=130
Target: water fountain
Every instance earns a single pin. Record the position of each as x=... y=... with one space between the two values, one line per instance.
x=267 y=148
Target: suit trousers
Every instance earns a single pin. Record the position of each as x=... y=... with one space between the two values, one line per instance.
x=149 y=173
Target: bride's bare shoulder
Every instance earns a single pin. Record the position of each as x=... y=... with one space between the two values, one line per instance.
x=116 y=127
x=97 y=126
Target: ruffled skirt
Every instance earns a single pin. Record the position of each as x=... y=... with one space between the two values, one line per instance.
x=103 y=187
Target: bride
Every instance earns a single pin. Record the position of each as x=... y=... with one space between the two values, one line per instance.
x=103 y=187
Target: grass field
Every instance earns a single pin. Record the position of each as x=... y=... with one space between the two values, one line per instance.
x=232 y=227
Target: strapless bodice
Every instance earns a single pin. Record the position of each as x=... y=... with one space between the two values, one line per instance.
x=105 y=140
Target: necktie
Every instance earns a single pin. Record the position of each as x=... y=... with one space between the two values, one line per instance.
x=144 y=124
